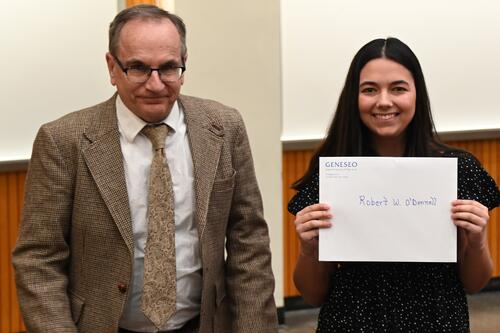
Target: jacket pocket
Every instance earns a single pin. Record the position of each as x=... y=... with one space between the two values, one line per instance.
x=224 y=184
x=76 y=303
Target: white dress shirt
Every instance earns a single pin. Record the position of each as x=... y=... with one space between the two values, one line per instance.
x=137 y=156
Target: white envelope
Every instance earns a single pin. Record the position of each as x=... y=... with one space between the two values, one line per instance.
x=388 y=209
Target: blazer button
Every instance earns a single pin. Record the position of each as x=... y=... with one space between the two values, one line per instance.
x=122 y=287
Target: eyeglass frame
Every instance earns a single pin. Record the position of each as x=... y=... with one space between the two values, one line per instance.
x=151 y=70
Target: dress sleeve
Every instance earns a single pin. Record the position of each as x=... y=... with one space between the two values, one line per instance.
x=307 y=196
x=474 y=182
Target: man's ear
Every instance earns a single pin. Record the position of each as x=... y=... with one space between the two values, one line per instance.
x=184 y=61
x=111 y=67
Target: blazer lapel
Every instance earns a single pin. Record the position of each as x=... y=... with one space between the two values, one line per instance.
x=105 y=161
x=206 y=139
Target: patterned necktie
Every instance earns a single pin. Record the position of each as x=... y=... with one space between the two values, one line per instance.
x=159 y=289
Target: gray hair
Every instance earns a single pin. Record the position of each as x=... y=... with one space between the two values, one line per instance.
x=144 y=12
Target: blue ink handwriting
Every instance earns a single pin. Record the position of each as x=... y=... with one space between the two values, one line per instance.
x=383 y=201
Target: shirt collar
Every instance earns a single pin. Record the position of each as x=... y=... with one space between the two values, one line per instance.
x=130 y=124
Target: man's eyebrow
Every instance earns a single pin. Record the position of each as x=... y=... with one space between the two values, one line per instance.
x=133 y=61
x=171 y=63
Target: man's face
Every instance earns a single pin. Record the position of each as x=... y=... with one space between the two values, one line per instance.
x=150 y=43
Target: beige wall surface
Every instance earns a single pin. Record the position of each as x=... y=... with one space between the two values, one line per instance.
x=234 y=57
x=53 y=55
x=456 y=42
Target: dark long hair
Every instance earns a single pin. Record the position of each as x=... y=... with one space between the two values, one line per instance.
x=348 y=136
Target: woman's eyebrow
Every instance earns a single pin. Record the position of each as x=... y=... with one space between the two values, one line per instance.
x=370 y=83
x=399 y=82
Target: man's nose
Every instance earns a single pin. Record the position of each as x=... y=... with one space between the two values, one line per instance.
x=154 y=83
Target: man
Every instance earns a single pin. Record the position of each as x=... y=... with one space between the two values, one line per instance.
x=100 y=200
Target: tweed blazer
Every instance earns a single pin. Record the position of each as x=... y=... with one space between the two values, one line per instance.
x=73 y=258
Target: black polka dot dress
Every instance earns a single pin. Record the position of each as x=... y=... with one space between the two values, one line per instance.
x=401 y=297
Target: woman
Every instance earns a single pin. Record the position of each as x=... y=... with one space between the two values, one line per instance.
x=384 y=110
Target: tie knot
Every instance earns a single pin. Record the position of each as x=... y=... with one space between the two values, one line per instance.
x=156 y=134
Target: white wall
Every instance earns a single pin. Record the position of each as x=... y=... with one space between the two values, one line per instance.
x=52 y=59
x=456 y=41
x=234 y=57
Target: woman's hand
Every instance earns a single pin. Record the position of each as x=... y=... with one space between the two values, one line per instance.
x=307 y=224
x=312 y=277
x=474 y=259
x=472 y=218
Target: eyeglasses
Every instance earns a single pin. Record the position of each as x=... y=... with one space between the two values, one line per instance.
x=141 y=73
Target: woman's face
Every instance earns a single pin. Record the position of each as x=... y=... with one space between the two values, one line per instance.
x=386 y=102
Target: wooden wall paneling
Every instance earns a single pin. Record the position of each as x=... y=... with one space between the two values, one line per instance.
x=11 y=198
x=493 y=154
x=298 y=171
x=14 y=216
x=494 y=241
x=288 y=227
x=295 y=164
x=4 y=257
x=476 y=150
x=487 y=160
x=495 y=169
x=21 y=180
x=487 y=152
x=284 y=162
x=131 y=3
x=286 y=241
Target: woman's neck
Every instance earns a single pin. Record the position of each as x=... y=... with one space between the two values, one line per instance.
x=389 y=146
